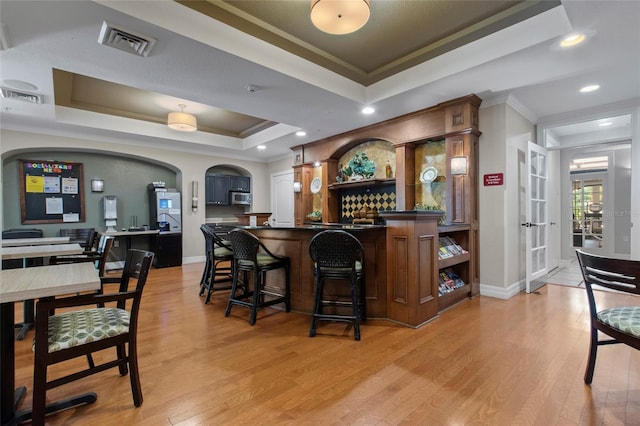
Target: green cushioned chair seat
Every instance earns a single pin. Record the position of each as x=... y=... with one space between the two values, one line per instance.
x=623 y=318
x=222 y=252
x=75 y=328
x=263 y=260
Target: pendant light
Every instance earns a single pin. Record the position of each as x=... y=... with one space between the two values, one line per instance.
x=182 y=121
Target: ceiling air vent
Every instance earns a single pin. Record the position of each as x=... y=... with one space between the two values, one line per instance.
x=20 y=96
x=126 y=40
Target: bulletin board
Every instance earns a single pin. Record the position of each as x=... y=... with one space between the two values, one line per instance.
x=51 y=192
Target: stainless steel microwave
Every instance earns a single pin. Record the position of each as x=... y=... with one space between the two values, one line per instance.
x=242 y=198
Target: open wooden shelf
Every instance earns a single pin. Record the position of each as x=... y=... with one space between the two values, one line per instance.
x=449 y=299
x=361 y=183
x=455 y=260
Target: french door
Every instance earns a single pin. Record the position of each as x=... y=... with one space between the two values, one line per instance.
x=536 y=226
x=587 y=202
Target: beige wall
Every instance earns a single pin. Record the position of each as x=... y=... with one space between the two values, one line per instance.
x=503 y=147
x=189 y=166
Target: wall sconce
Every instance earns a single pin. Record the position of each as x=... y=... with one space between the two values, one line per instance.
x=458 y=166
x=194 y=195
x=97 y=185
x=297 y=186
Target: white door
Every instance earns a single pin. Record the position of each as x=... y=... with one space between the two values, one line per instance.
x=282 y=199
x=536 y=225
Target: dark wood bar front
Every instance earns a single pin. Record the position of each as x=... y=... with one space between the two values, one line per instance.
x=294 y=242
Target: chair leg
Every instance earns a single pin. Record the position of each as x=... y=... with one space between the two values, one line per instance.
x=205 y=274
x=287 y=289
x=355 y=301
x=234 y=289
x=257 y=296
x=591 y=363
x=38 y=407
x=316 y=307
x=122 y=354
x=134 y=375
x=211 y=279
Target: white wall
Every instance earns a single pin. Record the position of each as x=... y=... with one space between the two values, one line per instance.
x=190 y=166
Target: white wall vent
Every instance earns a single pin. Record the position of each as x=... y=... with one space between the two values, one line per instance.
x=20 y=96
x=126 y=40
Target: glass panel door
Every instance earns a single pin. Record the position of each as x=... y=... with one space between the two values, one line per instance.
x=587 y=199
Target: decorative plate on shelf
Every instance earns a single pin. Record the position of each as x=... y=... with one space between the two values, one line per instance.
x=316 y=184
x=428 y=174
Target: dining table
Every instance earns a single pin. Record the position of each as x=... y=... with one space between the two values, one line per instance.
x=15 y=242
x=26 y=252
x=29 y=284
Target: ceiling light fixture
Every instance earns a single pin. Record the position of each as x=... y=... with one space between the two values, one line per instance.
x=590 y=88
x=368 y=110
x=261 y=147
x=301 y=133
x=182 y=121
x=573 y=40
x=339 y=16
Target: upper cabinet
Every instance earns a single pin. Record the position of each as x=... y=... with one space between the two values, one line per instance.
x=240 y=183
x=218 y=188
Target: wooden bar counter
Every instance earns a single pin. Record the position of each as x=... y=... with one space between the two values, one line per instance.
x=294 y=242
x=401 y=264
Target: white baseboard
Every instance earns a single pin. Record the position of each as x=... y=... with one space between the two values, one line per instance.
x=193 y=259
x=500 y=292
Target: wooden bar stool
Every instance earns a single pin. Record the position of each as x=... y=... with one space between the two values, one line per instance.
x=251 y=257
x=338 y=255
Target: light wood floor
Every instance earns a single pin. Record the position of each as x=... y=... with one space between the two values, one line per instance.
x=484 y=362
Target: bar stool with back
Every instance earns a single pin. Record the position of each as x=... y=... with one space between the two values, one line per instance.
x=250 y=256
x=216 y=275
x=338 y=255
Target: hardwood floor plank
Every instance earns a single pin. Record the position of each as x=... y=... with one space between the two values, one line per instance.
x=486 y=361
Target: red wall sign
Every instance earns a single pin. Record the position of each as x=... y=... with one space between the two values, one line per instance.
x=493 y=179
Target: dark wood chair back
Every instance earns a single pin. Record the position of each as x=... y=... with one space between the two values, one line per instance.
x=621 y=323
x=51 y=347
x=86 y=237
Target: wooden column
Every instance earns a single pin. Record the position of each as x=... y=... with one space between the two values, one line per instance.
x=412 y=266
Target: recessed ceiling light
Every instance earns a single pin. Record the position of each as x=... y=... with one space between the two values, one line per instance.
x=368 y=110
x=19 y=84
x=606 y=123
x=301 y=133
x=573 y=40
x=590 y=88
x=317 y=163
x=261 y=147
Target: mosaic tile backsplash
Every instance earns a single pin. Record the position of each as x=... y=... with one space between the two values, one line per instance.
x=381 y=198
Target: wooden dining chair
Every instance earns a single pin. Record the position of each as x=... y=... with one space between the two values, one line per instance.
x=621 y=323
x=76 y=333
x=86 y=237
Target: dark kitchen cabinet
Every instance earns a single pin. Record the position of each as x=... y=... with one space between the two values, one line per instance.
x=240 y=183
x=217 y=190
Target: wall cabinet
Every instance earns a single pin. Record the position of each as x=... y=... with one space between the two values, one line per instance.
x=217 y=190
x=240 y=183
